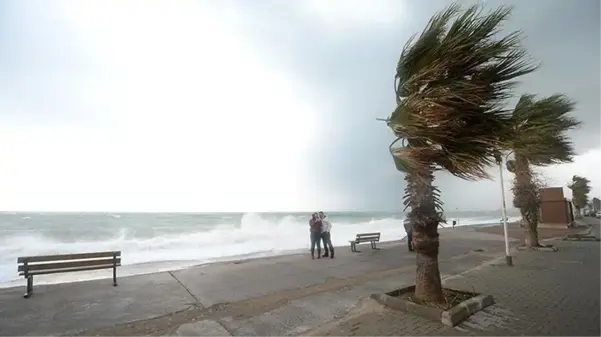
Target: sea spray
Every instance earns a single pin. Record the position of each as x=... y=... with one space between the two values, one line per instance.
x=152 y=242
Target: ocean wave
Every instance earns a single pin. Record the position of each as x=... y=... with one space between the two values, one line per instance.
x=253 y=234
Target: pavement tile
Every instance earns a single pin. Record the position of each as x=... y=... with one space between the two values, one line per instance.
x=542 y=294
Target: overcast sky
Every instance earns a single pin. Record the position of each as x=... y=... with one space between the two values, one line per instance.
x=242 y=105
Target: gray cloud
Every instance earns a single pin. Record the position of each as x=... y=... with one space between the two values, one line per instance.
x=39 y=67
x=356 y=68
x=351 y=69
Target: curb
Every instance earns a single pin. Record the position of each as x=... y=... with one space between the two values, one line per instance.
x=450 y=317
x=205 y=327
x=581 y=237
x=465 y=309
x=549 y=249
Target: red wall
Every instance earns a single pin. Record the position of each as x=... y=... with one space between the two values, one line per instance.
x=554 y=208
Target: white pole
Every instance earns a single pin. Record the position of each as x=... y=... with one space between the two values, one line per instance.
x=508 y=258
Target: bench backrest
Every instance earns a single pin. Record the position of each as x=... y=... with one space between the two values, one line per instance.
x=368 y=237
x=50 y=264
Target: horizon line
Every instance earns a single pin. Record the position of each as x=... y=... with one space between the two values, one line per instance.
x=239 y=212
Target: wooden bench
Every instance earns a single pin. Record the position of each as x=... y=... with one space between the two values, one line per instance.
x=29 y=266
x=365 y=237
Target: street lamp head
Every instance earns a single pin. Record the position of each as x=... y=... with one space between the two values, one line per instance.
x=498 y=158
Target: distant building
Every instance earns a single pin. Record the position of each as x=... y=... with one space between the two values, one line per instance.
x=587 y=209
x=554 y=207
x=596 y=205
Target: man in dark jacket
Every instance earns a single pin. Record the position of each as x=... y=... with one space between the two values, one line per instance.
x=326 y=237
x=409 y=231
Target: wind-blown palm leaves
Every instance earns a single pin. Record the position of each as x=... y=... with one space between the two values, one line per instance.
x=580 y=187
x=450 y=85
x=537 y=137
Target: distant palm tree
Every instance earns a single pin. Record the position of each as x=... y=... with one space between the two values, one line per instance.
x=537 y=137
x=580 y=187
x=450 y=86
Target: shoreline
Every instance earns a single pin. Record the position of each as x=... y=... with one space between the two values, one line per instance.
x=126 y=269
x=154 y=304
x=279 y=295
x=153 y=267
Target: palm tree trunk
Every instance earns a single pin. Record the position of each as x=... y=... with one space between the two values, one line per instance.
x=530 y=230
x=526 y=199
x=424 y=221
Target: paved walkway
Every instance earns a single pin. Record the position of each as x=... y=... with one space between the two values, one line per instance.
x=290 y=295
x=545 y=293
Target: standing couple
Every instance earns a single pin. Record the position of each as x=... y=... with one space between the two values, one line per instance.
x=320 y=231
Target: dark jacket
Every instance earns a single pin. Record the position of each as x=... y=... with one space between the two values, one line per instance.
x=315 y=226
x=407 y=225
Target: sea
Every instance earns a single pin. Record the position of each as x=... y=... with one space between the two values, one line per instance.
x=152 y=242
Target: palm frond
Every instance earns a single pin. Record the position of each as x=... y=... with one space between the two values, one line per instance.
x=450 y=83
x=539 y=127
x=580 y=187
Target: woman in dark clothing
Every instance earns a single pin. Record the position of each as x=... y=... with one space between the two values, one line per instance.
x=315 y=228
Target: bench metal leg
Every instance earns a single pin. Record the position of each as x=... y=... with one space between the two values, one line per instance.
x=114 y=276
x=29 y=287
x=373 y=245
x=353 y=247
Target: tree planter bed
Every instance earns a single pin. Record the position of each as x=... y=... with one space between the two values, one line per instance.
x=541 y=248
x=460 y=304
x=581 y=237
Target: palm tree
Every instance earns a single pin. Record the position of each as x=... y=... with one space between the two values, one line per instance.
x=450 y=84
x=580 y=187
x=537 y=137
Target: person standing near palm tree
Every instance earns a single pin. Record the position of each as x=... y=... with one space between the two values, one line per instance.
x=409 y=231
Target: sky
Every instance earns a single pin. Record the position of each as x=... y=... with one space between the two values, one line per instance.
x=265 y=105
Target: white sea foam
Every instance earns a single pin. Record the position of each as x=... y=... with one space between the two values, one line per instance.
x=253 y=236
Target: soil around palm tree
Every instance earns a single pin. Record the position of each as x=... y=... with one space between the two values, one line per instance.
x=452 y=297
x=538 y=248
x=455 y=306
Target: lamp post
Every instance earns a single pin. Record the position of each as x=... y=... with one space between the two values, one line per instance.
x=508 y=258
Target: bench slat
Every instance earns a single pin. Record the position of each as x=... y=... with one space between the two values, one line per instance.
x=54 y=271
x=367 y=237
x=68 y=264
x=368 y=234
x=66 y=257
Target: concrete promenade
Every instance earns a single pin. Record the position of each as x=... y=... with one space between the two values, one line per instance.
x=286 y=295
x=543 y=294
